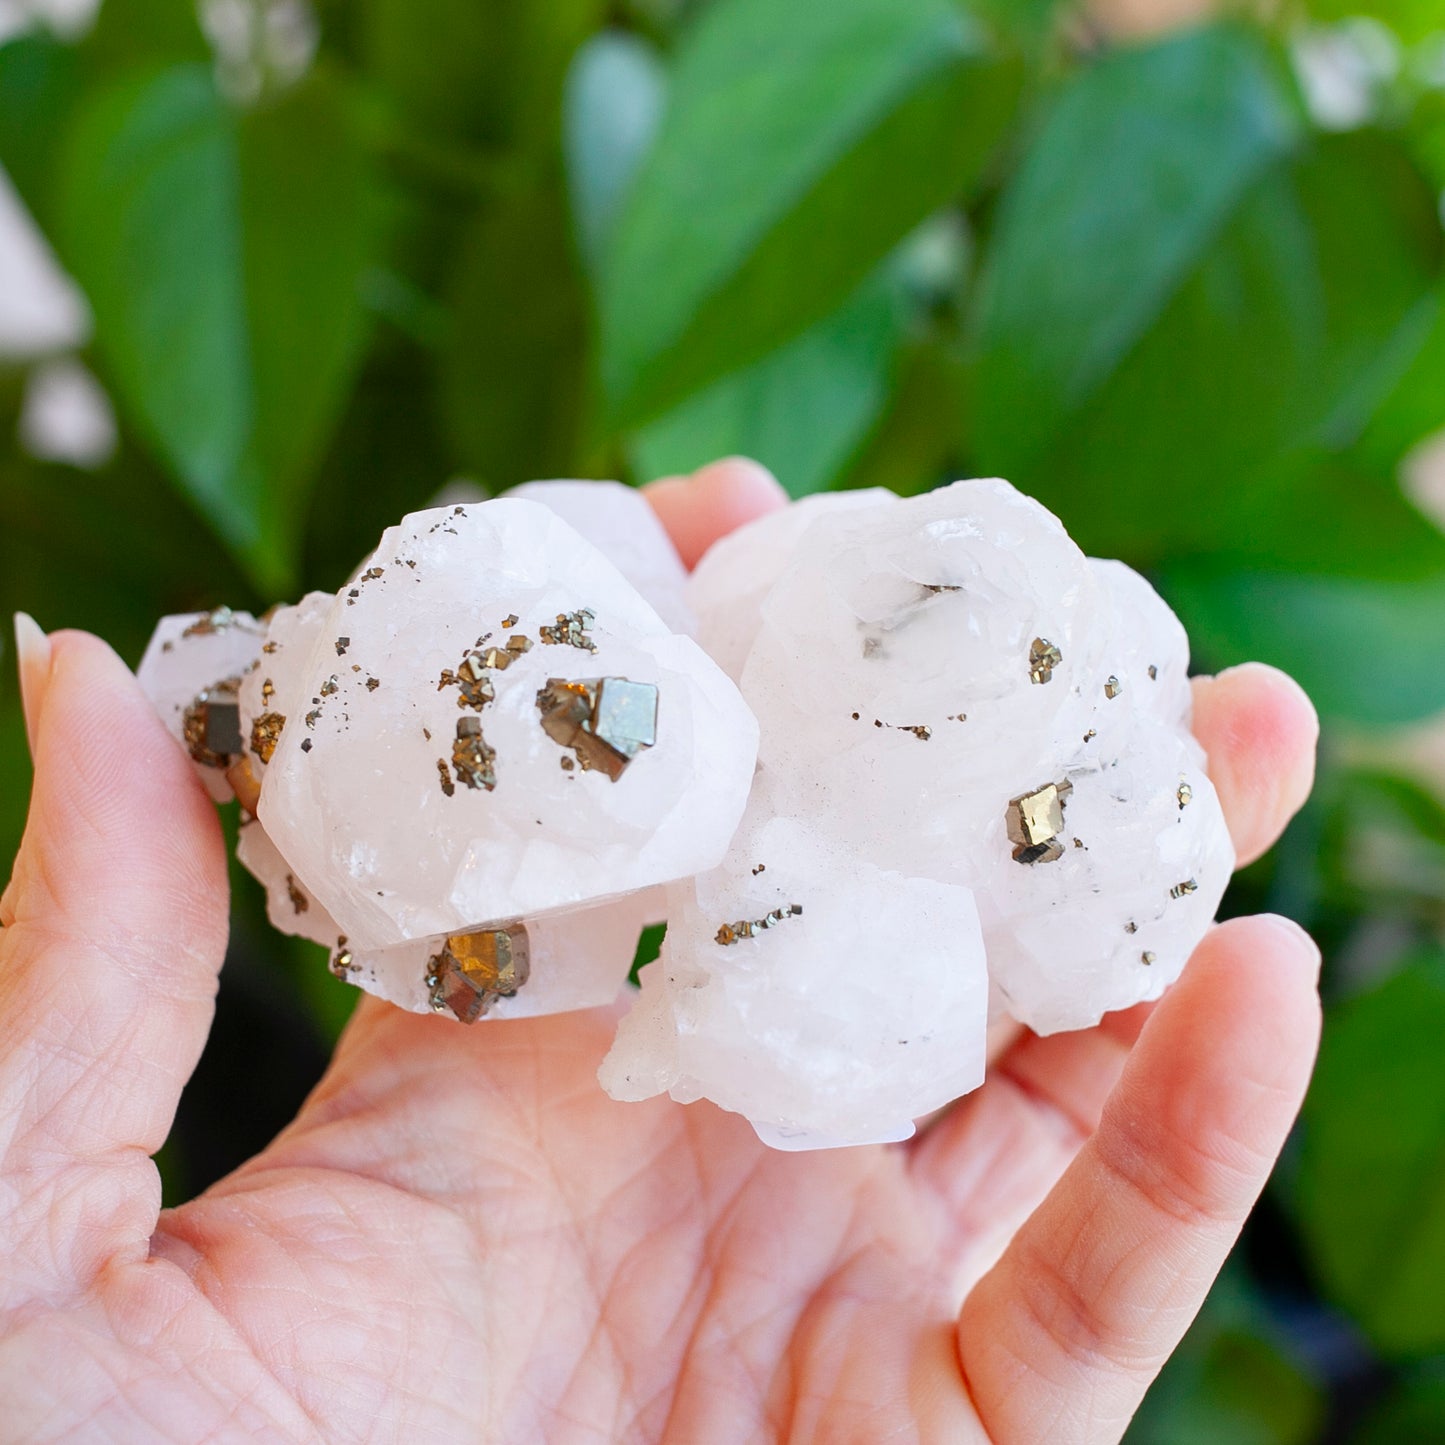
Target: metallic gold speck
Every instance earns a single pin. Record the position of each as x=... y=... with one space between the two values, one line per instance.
x=571 y=630
x=473 y=970
x=472 y=758
x=1044 y=657
x=1034 y=821
x=731 y=933
x=606 y=721
x=266 y=733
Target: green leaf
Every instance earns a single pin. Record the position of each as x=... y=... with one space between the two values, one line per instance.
x=14 y=766
x=311 y=226
x=1138 y=166
x=514 y=369
x=109 y=551
x=1411 y=1414
x=1368 y=651
x=481 y=74
x=649 y=946
x=1182 y=286
x=389 y=436
x=42 y=78
x=1372 y=1169
x=1425 y=132
x=1415 y=407
x=223 y=258
x=1229 y=1381
x=143 y=34
x=1331 y=516
x=801 y=144
x=1029 y=22
x=919 y=441
x=1411 y=20
x=37 y=87
x=802 y=411
x=613 y=102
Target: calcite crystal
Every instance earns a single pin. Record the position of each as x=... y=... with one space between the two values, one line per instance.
x=411 y=793
x=618 y=521
x=428 y=803
x=951 y=696
x=810 y=989
x=925 y=766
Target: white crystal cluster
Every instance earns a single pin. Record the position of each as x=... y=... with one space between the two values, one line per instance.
x=404 y=786
x=925 y=765
x=976 y=789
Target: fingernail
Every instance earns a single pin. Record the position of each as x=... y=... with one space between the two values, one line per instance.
x=32 y=657
x=1298 y=942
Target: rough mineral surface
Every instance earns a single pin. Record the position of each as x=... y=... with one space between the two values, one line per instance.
x=394 y=742
x=414 y=787
x=827 y=999
x=952 y=695
x=289 y=904
x=576 y=959
x=272 y=695
x=618 y=521
x=976 y=793
x=727 y=589
x=191 y=671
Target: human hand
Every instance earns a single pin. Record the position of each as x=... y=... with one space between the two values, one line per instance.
x=461 y=1237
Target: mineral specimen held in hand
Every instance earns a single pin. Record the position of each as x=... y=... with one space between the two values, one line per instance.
x=952 y=698
x=412 y=801
x=428 y=805
x=974 y=791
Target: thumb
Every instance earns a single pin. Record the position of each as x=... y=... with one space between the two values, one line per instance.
x=115 y=927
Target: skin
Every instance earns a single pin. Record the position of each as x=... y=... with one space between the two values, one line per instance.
x=461 y=1238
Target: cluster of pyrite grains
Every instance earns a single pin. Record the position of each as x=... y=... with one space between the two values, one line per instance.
x=976 y=783
x=468 y=769
x=192 y=671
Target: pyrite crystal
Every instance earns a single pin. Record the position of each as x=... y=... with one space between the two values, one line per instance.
x=570 y=630
x=472 y=759
x=1035 y=820
x=265 y=734
x=212 y=725
x=731 y=933
x=1044 y=657
x=606 y=721
x=473 y=970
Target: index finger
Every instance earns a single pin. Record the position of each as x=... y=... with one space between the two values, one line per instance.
x=716 y=499
x=1260 y=730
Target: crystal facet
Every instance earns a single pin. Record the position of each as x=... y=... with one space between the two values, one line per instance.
x=974 y=791
x=365 y=815
x=473 y=970
x=1052 y=694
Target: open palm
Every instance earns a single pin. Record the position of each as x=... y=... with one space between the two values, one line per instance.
x=461 y=1238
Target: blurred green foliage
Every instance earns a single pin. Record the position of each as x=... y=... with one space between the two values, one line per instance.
x=1169 y=287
